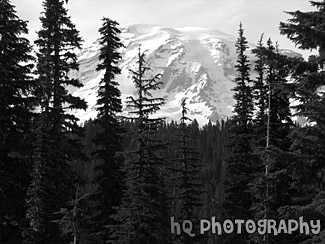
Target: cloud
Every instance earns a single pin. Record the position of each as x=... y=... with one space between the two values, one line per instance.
x=258 y=16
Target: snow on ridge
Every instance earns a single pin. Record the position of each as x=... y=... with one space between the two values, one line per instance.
x=182 y=55
x=192 y=29
x=140 y=29
x=195 y=62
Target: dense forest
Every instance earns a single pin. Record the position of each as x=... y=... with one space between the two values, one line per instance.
x=132 y=179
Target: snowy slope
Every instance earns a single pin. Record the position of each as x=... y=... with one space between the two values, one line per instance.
x=195 y=62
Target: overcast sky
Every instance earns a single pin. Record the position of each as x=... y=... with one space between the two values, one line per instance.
x=257 y=16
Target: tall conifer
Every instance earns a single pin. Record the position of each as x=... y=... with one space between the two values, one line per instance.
x=188 y=188
x=56 y=144
x=143 y=215
x=109 y=139
x=273 y=125
x=306 y=30
x=16 y=104
x=241 y=160
x=260 y=89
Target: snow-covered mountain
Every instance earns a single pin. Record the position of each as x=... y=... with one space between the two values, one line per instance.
x=196 y=63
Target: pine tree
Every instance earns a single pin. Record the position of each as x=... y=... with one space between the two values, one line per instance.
x=243 y=92
x=16 y=104
x=56 y=145
x=188 y=188
x=241 y=160
x=279 y=68
x=260 y=186
x=260 y=89
x=305 y=30
x=273 y=121
x=143 y=212
x=109 y=139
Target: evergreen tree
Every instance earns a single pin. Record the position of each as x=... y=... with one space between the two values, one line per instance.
x=270 y=189
x=260 y=185
x=56 y=145
x=143 y=215
x=279 y=69
x=243 y=92
x=260 y=90
x=188 y=187
x=305 y=30
x=241 y=160
x=109 y=139
x=16 y=104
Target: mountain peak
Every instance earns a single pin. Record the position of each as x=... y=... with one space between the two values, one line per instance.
x=197 y=63
x=140 y=29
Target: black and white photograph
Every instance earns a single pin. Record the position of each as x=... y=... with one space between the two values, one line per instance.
x=162 y=122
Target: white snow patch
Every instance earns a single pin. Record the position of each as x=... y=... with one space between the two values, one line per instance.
x=196 y=63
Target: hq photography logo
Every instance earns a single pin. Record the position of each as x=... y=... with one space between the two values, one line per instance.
x=237 y=226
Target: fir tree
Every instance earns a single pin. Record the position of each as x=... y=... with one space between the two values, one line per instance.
x=259 y=186
x=143 y=213
x=109 y=139
x=260 y=88
x=270 y=188
x=279 y=69
x=16 y=104
x=56 y=145
x=188 y=188
x=243 y=91
x=241 y=160
x=305 y=30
